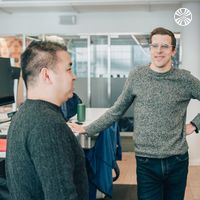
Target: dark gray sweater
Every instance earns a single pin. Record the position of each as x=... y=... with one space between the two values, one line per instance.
x=44 y=161
x=160 y=102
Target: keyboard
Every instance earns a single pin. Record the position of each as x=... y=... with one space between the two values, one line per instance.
x=4 y=117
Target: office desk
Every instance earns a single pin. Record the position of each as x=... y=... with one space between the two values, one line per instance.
x=91 y=115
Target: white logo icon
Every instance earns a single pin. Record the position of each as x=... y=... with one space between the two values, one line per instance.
x=183 y=16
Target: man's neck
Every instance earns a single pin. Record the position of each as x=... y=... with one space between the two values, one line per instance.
x=35 y=95
x=160 y=69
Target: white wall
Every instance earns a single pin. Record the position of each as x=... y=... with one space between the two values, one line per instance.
x=136 y=21
x=191 y=62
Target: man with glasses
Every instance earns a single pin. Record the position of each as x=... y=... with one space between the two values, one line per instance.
x=160 y=95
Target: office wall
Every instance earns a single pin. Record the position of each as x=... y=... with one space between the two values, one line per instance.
x=136 y=21
x=191 y=62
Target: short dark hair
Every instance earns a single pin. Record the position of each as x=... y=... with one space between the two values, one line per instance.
x=163 y=31
x=37 y=55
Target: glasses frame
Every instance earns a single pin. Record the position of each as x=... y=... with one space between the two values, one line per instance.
x=155 y=46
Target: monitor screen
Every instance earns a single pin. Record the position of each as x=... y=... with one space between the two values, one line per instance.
x=6 y=82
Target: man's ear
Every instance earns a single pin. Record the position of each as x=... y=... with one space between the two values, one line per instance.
x=45 y=75
x=174 y=52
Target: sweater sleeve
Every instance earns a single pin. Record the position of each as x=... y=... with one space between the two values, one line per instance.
x=195 y=92
x=196 y=122
x=53 y=157
x=116 y=111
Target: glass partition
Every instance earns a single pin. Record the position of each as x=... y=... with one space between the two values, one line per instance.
x=126 y=54
x=101 y=62
x=99 y=55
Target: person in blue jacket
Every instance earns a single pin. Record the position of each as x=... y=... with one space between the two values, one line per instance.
x=69 y=107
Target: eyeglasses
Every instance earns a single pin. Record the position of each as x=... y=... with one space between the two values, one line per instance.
x=162 y=46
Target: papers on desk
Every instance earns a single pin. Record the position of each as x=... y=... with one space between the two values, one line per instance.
x=4 y=128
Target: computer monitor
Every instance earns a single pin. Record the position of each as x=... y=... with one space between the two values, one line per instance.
x=6 y=82
x=15 y=72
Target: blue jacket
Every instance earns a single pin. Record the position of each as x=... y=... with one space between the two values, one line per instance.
x=101 y=159
x=69 y=108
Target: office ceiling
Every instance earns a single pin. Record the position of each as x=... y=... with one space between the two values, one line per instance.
x=86 y=6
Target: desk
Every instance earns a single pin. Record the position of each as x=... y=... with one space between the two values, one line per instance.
x=91 y=115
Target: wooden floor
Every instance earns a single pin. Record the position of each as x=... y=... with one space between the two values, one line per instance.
x=128 y=176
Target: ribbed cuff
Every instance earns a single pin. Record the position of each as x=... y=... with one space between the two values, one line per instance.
x=196 y=130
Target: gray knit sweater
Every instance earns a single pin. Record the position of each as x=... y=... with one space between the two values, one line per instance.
x=44 y=161
x=160 y=102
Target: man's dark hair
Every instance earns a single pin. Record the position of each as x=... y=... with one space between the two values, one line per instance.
x=163 y=31
x=39 y=54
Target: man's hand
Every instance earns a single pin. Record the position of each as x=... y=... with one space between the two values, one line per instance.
x=189 y=129
x=76 y=128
